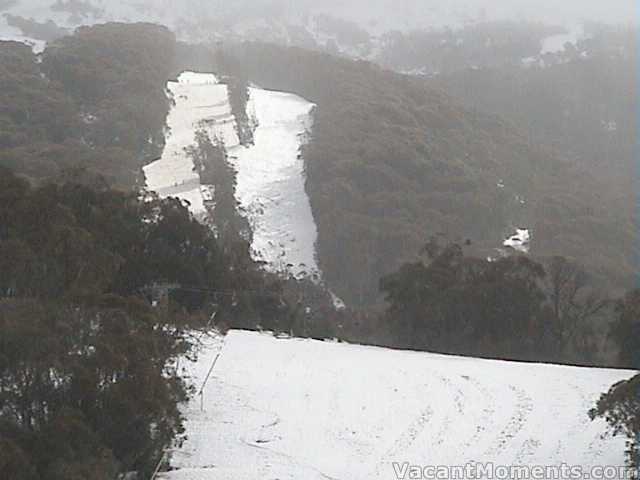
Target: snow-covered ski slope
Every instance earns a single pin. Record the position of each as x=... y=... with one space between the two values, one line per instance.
x=271 y=182
x=198 y=98
x=302 y=409
x=270 y=173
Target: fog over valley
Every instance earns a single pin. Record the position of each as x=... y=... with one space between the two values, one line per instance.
x=375 y=16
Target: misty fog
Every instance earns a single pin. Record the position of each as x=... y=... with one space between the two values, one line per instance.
x=319 y=239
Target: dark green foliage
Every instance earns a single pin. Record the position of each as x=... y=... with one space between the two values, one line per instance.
x=459 y=304
x=84 y=387
x=96 y=102
x=626 y=329
x=511 y=308
x=212 y=165
x=478 y=45
x=620 y=407
x=117 y=73
x=85 y=383
x=31 y=109
x=76 y=241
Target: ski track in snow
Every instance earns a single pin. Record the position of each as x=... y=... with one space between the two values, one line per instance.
x=270 y=173
x=271 y=182
x=293 y=409
x=198 y=98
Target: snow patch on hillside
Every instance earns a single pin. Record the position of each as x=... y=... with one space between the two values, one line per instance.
x=270 y=172
x=293 y=409
x=557 y=43
x=198 y=99
x=520 y=241
x=271 y=183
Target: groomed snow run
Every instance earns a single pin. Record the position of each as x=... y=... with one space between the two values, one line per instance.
x=199 y=99
x=271 y=183
x=303 y=409
x=270 y=172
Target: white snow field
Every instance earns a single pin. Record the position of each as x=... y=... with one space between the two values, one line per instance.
x=270 y=173
x=303 y=409
x=557 y=43
x=199 y=99
x=271 y=183
x=520 y=241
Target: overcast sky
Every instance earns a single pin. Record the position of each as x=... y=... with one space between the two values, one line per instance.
x=377 y=16
x=442 y=11
x=611 y=10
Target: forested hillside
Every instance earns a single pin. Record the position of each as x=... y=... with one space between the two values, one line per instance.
x=393 y=161
x=478 y=45
x=582 y=101
x=513 y=307
x=95 y=102
x=86 y=385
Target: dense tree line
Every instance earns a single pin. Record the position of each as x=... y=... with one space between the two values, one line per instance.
x=620 y=407
x=35 y=116
x=512 y=307
x=557 y=99
x=117 y=73
x=479 y=45
x=86 y=388
x=95 y=100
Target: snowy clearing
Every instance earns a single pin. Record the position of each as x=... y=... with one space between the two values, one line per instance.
x=270 y=173
x=198 y=98
x=520 y=241
x=557 y=43
x=304 y=409
x=271 y=183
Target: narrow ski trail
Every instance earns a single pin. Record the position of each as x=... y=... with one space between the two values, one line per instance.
x=270 y=172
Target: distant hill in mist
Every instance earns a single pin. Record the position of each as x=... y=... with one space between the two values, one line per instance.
x=375 y=16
